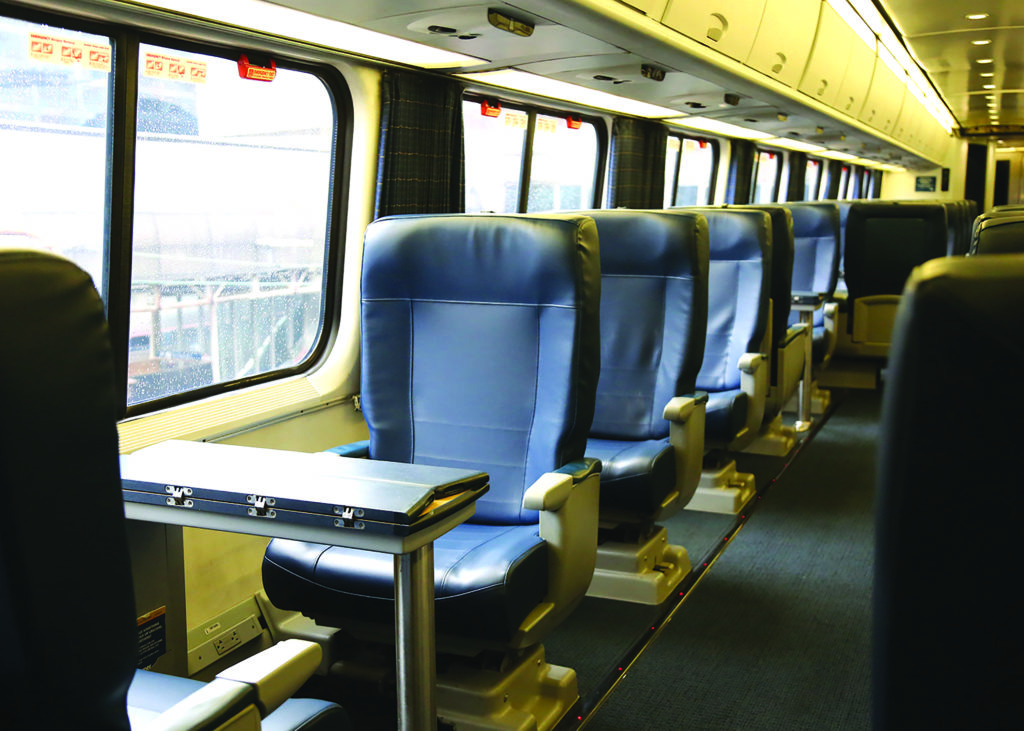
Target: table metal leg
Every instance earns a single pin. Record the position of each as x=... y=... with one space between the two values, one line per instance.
x=804 y=419
x=414 y=639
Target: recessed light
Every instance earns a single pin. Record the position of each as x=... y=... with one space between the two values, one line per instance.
x=988 y=86
x=986 y=74
x=981 y=43
x=977 y=16
x=984 y=60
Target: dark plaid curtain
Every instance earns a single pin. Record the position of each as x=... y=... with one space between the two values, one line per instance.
x=638 y=164
x=420 y=166
x=797 y=176
x=876 y=184
x=741 y=168
x=834 y=171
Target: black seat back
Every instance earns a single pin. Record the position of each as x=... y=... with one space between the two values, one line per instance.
x=943 y=620
x=66 y=601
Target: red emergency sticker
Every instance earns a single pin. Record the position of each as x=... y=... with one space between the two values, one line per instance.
x=173 y=68
x=69 y=52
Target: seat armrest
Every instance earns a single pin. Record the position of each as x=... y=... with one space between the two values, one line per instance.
x=685 y=415
x=209 y=708
x=568 y=525
x=754 y=383
x=277 y=672
x=552 y=489
x=831 y=313
x=581 y=469
x=353 y=449
x=751 y=362
x=679 y=408
x=261 y=683
x=792 y=333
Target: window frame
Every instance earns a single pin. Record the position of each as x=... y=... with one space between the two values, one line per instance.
x=120 y=192
x=753 y=174
x=716 y=158
x=525 y=169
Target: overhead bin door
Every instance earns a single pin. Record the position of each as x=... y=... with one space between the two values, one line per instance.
x=726 y=25
x=884 y=99
x=653 y=8
x=856 y=80
x=784 y=39
x=830 y=57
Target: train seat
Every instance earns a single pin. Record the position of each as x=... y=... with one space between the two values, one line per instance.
x=61 y=384
x=884 y=242
x=1000 y=235
x=927 y=461
x=816 y=234
x=735 y=369
x=648 y=428
x=480 y=347
x=784 y=344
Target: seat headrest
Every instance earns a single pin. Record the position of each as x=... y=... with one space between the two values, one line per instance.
x=650 y=243
x=1001 y=235
x=816 y=223
x=485 y=257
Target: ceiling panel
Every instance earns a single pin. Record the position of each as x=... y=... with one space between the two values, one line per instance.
x=942 y=38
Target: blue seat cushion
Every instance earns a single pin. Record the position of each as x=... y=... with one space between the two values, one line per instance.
x=725 y=417
x=150 y=694
x=487 y=579
x=635 y=475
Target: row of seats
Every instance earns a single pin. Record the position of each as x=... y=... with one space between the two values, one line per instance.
x=998 y=231
x=586 y=362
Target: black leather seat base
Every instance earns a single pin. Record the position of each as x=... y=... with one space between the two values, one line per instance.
x=726 y=416
x=487 y=579
x=635 y=475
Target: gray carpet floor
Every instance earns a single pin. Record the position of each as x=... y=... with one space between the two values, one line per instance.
x=777 y=634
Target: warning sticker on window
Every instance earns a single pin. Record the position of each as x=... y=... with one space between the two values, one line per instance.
x=69 y=52
x=173 y=68
x=152 y=636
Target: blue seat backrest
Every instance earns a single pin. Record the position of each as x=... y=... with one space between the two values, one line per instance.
x=58 y=455
x=885 y=241
x=1000 y=235
x=782 y=251
x=481 y=346
x=739 y=242
x=816 y=234
x=654 y=310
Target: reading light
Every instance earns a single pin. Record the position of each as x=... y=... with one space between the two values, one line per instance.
x=984 y=60
x=983 y=42
x=976 y=16
x=988 y=86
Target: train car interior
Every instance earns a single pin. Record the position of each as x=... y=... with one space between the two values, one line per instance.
x=527 y=365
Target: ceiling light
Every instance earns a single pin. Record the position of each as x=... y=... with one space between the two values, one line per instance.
x=984 y=42
x=723 y=128
x=289 y=23
x=534 y=84
x=789 y=144
x=984 y=60
x=987 y=73
x=988 y=86
x=977 y=16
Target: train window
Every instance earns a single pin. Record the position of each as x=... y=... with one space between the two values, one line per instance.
x=526 y=160
x=495 y=138
x=232 y=192
x=812 y=179
x=844 y=182
x=563 y=167
x=55 y=91
x=690 y=171
x=766 y=174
